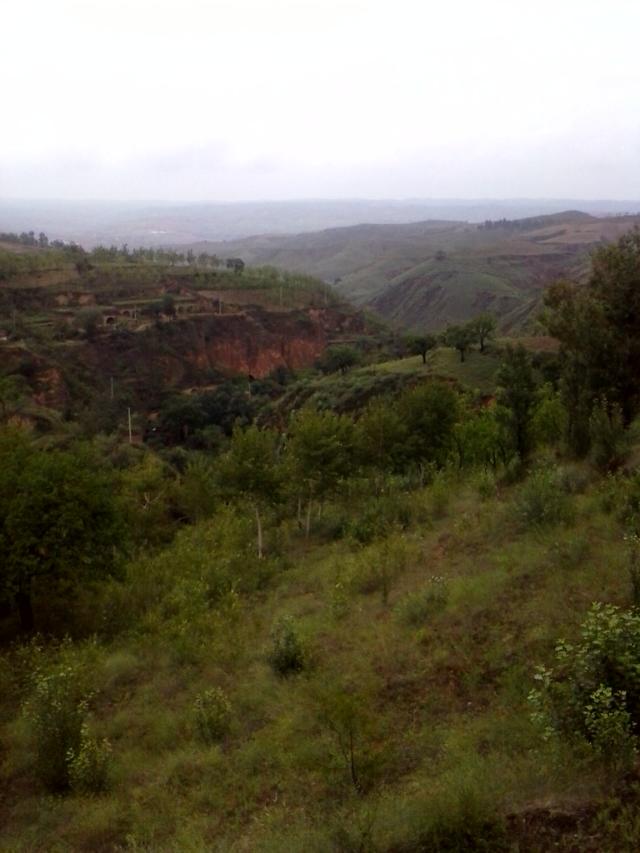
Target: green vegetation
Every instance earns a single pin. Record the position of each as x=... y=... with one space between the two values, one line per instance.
x=373 y=610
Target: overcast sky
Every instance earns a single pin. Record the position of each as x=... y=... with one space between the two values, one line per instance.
x=281 y=99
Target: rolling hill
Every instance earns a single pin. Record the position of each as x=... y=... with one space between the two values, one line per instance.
x=429 y=274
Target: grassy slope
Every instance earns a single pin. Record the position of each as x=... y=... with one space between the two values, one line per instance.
x=445 y=701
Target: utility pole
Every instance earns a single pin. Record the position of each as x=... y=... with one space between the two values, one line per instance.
x=129 y=420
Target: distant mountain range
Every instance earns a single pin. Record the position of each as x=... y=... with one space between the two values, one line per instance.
x=155 y=223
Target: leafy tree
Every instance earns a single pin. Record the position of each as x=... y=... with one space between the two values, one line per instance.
x=460 y=338
x=421 y=345
x=480 y=439
x=249 y=470
x=429 y=413
x=339 y=358
x=380 y=436
x=59 y=520
x=599 y=331
x=483 y=326
x=517 y=396
x=319 y=453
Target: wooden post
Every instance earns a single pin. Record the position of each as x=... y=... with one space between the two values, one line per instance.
x=111 y=388
x=129 y=420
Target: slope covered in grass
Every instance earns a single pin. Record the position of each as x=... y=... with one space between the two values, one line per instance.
x=407 y=726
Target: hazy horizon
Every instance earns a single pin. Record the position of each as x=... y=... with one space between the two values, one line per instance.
x=221 y=101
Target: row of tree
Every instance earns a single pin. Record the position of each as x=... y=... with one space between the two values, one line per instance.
x=460 y=337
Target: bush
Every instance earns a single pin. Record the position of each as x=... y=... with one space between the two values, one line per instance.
x=541 y=500
x=212 y=712
x=486 y=485
x=376 y=567
x=89 y=764
x=56 y=713
x=287 y=655
x=416 y=608
x=593 y=693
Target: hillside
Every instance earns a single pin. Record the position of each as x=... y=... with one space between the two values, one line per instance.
x=430 y=274
x=73 y=328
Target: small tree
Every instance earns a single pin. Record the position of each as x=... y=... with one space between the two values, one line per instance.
x=319 y=453
x=483 y=326
x=249 y=471
x=421 y=345
x=59 y=520
x=338 y=358
x=460 y=338
x=517 y=396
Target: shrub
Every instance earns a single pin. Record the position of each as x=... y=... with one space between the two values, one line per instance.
x=212 y=713
x=56 y=712
x=377 y=566
x=486 y=485
x=593 y=693
x=541 y=500
x=89 y=764
x=416 y=608
x=287 y=654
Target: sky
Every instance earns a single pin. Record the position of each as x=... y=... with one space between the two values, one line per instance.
x=227 y=100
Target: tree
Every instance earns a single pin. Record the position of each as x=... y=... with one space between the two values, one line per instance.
x=517 y=396
x=338 y=358
x=421 y=345
x=429 y=413
x=59 y=520
x=483 y=326
x=88 y=319
x=380 y=436
x=460 y=337
x=319 y=453
x=598 y=327
x=249 y=471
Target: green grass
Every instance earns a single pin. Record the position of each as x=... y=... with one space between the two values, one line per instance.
x=441 y=722
x=478 y=371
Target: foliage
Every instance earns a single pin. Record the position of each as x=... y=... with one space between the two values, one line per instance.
x=483 y=327
x=541 y=500
x=516 y=395
x=59 y=520
x=249 y=471
x=418 y=607
x=288 y=655
x=460 y=337
x=212 y=714
x=338 y=359
x=599 y=333
x=429 y=413
x=89 y=764
x=421 y=345
x=593 y=692
x=56 y=712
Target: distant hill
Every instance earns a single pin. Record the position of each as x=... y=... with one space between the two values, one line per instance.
x=429 y=274
x=155 y=223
